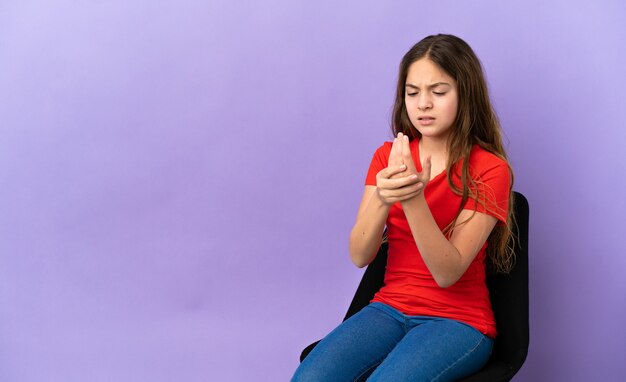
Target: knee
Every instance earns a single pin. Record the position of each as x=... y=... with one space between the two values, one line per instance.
x=308 y=373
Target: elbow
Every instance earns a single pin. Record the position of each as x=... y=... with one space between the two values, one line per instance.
x=357 y=261
x=357 y=258
x=443 y=284
x=446 y=281
x=357 y=254
x=448 y=275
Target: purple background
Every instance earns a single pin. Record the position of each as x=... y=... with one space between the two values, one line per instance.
x=178 y=179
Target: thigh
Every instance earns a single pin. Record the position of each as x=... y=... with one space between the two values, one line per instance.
x=353 y=349
x=438 y=350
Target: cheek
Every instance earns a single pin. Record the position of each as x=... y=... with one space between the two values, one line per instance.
x=410 y=108
x=451 y=108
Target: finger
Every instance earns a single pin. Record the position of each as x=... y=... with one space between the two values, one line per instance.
x=400 y=194
x=396 y=147
x=409 y=191
x=406 y=150
x=409 y=196
x=388 y=172
x=393 y=159
x=407 y=155
x=398 y=183
x=400 y=148
x=393 y=196
x=412 y=190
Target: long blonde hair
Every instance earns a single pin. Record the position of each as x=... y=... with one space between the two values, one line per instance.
x=475 y=123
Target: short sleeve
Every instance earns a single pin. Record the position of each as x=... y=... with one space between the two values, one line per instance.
x=493 y=186
x=380 y=160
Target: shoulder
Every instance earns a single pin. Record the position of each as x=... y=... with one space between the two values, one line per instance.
x=494 y=179
x=492 y=173
x=380 y=160
x=482 y=161
x=385 y=148
x=382 y=153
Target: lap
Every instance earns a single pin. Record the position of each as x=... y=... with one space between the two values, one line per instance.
x=352 y=350
x=395 y=347
x=438 y=350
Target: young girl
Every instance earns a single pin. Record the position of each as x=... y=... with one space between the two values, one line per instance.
x=443 y=191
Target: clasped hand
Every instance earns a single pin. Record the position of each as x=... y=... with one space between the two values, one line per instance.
x=401 y=181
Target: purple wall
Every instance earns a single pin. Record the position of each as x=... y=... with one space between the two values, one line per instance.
x=177 y=181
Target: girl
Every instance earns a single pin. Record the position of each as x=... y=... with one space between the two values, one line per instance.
x=443 y=191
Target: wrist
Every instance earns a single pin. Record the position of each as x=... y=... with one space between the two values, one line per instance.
x=381 y=201
x=416 y=201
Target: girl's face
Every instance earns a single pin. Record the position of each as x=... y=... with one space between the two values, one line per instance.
x=431 y=99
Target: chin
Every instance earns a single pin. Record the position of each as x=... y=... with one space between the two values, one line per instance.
x=434 y=134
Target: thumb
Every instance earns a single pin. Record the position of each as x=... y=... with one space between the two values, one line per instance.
x=426 y=169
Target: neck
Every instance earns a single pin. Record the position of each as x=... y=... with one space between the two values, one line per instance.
x=434 y=146
x=437 y=150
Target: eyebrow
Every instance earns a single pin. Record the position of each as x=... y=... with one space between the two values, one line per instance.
x=429 y=86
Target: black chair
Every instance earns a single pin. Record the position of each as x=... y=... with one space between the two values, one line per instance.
x=509 y=299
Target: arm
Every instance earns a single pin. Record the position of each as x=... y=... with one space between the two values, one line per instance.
x=393 y=185
x=366 y=235
x=447 y=260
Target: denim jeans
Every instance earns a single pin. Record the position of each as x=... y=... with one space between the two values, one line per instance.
x=383 y=344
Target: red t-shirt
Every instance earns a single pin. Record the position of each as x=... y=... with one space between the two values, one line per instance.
x=409 y=285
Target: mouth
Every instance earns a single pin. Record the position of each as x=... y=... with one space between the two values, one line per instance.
x=426 y=120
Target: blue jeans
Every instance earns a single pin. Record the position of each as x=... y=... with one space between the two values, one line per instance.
x=383 y=344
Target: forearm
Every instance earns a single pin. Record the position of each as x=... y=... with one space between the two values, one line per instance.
x=441 y=257
x=366 y=235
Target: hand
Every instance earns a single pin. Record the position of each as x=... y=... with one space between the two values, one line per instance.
x=392 y=186
x=407 y=159
x=401 y=181
x=395 y=157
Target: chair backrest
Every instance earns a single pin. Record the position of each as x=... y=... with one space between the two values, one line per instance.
x=509 y=295
x=508 y=292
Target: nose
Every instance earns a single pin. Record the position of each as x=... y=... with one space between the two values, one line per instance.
x=425 y=102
